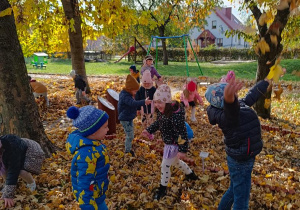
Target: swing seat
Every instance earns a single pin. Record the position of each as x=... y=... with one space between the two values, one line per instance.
x=203 y=81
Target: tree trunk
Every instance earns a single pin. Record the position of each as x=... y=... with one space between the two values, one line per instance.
x=163 y=41
x=18 y=111
x=261 y=73
x=71 y=10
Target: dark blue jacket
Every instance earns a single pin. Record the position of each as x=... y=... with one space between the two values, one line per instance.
x=89 y=170
x=127 y=106
x=240 y=124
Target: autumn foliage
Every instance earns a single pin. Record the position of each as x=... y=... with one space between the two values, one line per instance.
x=133 y=180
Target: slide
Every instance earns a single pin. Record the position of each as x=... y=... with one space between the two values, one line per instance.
x=131 y=49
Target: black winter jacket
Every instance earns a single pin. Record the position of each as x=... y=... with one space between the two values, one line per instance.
x=240 y=124
x=143 y=93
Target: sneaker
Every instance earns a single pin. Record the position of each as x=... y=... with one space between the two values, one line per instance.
x=161 y=192
x=31 y=186
x=191 y=176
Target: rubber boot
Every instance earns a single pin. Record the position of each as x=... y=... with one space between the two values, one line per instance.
x=191 y=176
x=193 y=113
x=161 y=192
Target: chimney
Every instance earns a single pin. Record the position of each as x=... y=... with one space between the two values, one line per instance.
x=228 y=12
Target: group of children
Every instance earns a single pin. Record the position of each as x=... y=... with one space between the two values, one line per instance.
x=239 y=123
x=90 y=165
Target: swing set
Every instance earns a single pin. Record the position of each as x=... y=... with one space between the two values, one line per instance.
x=184 y=37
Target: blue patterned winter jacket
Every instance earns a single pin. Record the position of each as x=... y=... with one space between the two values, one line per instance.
x=89 y=170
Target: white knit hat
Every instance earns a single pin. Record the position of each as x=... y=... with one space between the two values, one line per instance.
x=163 y=94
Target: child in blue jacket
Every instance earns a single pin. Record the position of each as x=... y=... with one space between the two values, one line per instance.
x=242 y=136
x=90 y=164
x=127 y=108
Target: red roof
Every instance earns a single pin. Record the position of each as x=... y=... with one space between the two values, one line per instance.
x=229 y=19
x=206 y=34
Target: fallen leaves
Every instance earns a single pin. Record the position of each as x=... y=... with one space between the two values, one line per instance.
x=133 y=180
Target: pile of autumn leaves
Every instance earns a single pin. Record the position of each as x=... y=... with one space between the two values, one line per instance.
x=276 y=175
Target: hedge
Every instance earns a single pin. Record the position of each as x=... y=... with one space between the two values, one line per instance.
x=208 y=54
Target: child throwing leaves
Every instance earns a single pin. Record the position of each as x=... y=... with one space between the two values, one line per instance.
x=189 y=98
x=170 y=122
x=147 y=90
x=242 y=136
x=127 y=108
x=18 y=157
x=90 y=164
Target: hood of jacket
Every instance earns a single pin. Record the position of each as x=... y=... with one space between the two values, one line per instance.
x=76 y=141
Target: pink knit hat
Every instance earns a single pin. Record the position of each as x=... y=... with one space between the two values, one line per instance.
x=163 y=94
x=146 y=78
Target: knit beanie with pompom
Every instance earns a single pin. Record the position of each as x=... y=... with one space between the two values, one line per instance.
x=163 y=94
x=87 y=119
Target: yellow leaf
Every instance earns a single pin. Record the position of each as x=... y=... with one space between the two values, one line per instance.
x=274 y=39
x=275 y=72
x=205 y=206
x=263 y=46
x=72 y=23
x=269 y=196
x=267 y=103
x=5 y=12
x=112 y=178
x=262 y=19
x=268 y=175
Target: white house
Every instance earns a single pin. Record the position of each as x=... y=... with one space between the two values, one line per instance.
x=218 y=22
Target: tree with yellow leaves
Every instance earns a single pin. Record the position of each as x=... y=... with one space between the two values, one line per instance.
x=19 y=113
x=276 y=24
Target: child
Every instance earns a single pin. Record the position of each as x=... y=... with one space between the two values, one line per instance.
x=189 y=97
x=135 y=73
x=127 y=108
x=242 y=136
x=18 y=157
x=90 y=164
x=148 y=65
x=170 y=122
x=80 y=86
x=38 y=89
x=147 y=90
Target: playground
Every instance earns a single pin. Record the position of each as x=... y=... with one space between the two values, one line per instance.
x=133 y=180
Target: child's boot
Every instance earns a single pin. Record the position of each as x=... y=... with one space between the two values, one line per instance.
x=161 y=192
x=193 y=113
x=191 y=176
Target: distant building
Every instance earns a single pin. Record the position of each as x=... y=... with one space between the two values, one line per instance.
x=218 y=22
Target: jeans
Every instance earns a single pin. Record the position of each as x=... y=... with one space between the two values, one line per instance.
x=128 y=128
x=238 y=192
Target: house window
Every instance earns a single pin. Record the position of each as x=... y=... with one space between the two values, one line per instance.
x=220 y=42
x=214 y=24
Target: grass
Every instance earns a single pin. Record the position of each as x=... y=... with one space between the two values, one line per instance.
x=242 y=70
